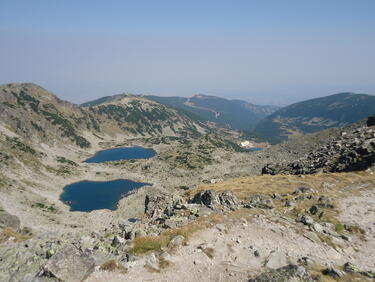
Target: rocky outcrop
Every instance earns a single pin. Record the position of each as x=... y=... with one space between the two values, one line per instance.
x=69 y=264
x=162 y=203
x=212 y=199
x=351 y=151
x=290 y=272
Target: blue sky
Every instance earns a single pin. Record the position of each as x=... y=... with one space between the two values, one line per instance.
x=268 y=52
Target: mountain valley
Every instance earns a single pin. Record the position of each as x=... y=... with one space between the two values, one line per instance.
x=208 y=204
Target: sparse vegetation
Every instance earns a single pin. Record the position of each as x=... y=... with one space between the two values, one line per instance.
x=66 y=161
x=10 y=234
x=44 y=207
x=113 y=266
x=66 y=127
x=16 y=144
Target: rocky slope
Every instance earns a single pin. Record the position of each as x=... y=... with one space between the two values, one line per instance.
x=37 y=115
x=315 y=115
x=350 y=149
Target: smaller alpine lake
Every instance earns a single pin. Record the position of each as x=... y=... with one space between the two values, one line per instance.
x=86 y=196
x=122 y=153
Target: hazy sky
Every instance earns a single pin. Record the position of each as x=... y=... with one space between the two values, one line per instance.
x=268 y=52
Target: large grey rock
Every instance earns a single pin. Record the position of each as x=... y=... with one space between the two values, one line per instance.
x=261 y=202
x=213 y=199
x=227 y=198
x=290 y=272
x=69 y=264
x=207 y=198
x=160 y=205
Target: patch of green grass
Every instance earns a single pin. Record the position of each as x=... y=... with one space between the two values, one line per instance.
x=44 y=207
x=16 y=144
x=66 y=161
x=60 y=170
x=339 y=227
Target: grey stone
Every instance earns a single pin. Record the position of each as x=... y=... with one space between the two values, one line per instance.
x=306 y=220
x=334 y=273
x=290 y=272
x=207 y=198
x=261 y=201
x=69 y=264
x=117 y=241
x=176 y=241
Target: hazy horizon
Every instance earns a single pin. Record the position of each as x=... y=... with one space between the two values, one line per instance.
x=264 y=52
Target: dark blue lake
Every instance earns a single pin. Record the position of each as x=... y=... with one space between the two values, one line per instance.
x=87 y=195
x=123 y=153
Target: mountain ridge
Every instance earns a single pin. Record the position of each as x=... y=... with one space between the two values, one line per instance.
x=314 y=115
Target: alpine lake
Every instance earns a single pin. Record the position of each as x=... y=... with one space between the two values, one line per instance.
x=86 y=196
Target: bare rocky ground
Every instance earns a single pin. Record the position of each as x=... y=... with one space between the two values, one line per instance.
x=247 y=242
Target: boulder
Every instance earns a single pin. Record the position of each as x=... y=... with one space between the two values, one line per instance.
x=207 y=198
x=227 y=198
x=303 y=189
x=69 y=264
x=306 y=220
x=176 y=241
x=290 y=272
x=261 y=202
x=370 y=121
x=117 y=241
x=159 y=205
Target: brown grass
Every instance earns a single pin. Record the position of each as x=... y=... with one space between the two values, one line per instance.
x=8 y=233
x=269 y=184
x=142 y=245
x=112 y=266
x=163 y=263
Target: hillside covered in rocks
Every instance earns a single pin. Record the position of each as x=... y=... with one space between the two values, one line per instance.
x=353 y=148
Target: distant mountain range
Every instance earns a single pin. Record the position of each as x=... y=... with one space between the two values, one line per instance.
x=234 y=114
x=314 y=115
x=34 y=113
